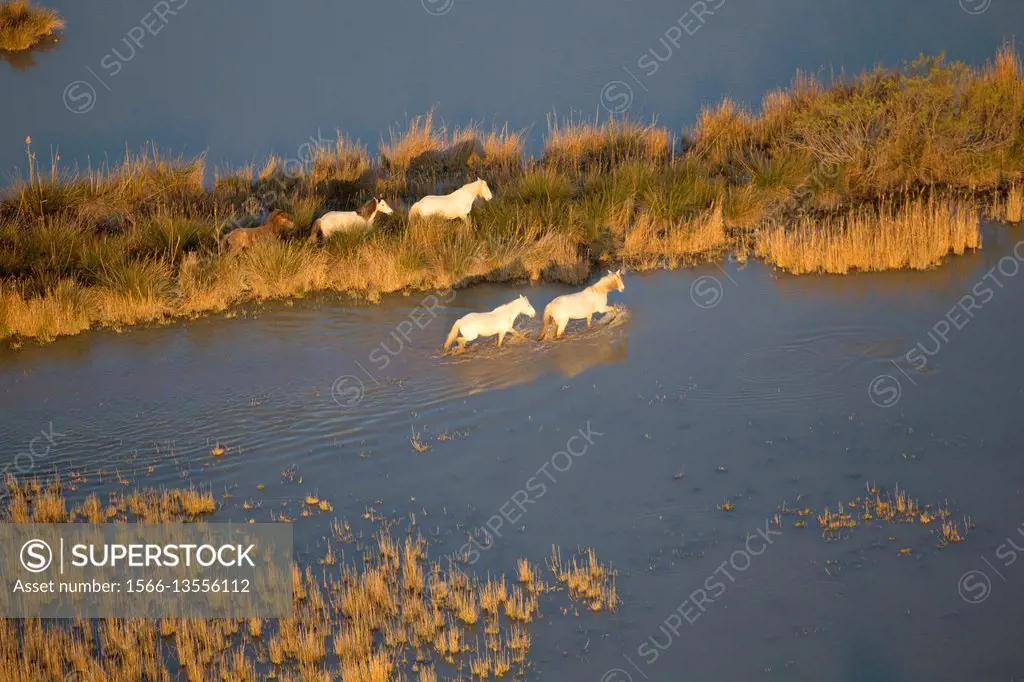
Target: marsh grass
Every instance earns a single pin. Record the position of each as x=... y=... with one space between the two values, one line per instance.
x=884 y=170
x=1007 y=207
x=385 y=611
x=63 y=310
x=888 y=507
x=587 y=578
x=651 y=242
x=42 y=501
x=23 y=24
x=916 y=234
x=582 y=146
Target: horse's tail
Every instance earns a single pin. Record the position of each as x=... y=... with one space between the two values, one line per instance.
x=544 y=323
x=315 y=231
x=452 y=335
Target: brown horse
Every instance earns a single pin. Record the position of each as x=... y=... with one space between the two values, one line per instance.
x=243 y=237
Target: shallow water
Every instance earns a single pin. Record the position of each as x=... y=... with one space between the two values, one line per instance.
x=244 y=82
x=770 y=383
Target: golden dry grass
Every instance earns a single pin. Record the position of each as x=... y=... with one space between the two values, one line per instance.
x=582 y=145
x=587 y=578
x=38 y=501
x=651 y=242
x=420 y=139
x=890 y=507
x=23 y=24
x=722 y=131
x=917 y=234
x=1008 y=207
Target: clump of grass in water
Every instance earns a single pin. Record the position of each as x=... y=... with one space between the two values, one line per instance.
x=396 y=591
x=417 y=442
x=23 y=25
x=1008 y=208
x=896 y=507
x=63 y=310
x=35 y=501
x=914 y=234
x=588 y=580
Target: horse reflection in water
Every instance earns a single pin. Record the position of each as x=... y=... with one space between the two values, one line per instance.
x=525 y=361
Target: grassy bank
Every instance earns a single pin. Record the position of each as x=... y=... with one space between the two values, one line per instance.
x=23 y=25
x=890 y=169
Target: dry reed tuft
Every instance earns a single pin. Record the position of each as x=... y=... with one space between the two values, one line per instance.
x=23 y=25
x=372 y=619
x=917 y=234
x=578 y=146
x=721 y=132
x=588 y=580
x=1008 y=208
x=651 y=242
x=895 y=507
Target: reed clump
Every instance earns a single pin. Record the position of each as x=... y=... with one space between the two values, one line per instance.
x=580 y=146
x=881 y=171
x=587 y=578
x=23 y=24
x=43 y=501
x=388 y=612
x=1007 y=207
x=651 y=243
x=890 y=507
x=915 y=234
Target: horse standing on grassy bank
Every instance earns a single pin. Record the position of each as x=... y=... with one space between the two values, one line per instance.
x=349 y=221
x=499 y=321
x=582 y=304
x=458 y=204
x=243 y=237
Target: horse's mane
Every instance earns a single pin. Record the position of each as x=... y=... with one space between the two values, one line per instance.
x=506 y=306
x=604 y=284
x=276 y=220
x=366 y=210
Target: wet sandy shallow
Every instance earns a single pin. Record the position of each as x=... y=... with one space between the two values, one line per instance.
x=770 y=383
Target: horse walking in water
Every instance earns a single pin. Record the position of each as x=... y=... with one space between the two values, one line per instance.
x=243 y=237
x=582 y=304
x=349 y=221
x=458 y=204
x=499 y=321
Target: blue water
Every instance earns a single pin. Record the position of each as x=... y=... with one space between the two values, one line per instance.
x=244 y=81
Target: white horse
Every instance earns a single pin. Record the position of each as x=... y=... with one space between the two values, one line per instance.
x=582 y=304
x=349 y=221
x=499 y=321
x=458 y=204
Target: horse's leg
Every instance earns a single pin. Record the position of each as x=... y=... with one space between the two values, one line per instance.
x=589 y=315
x=561 y=328
x=501 y=337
